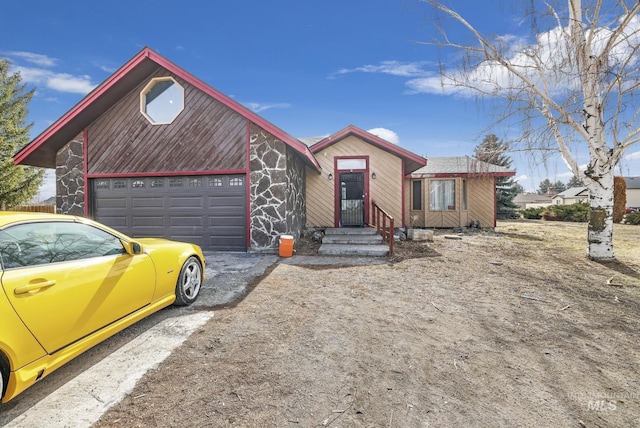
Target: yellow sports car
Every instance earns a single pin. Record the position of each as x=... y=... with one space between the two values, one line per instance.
x=69 y=283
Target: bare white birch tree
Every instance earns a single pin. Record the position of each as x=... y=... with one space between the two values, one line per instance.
x=576 y=83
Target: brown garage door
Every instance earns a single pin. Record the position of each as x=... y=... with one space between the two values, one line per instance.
x=206 y=210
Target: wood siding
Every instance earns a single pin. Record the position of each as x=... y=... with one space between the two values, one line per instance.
x=386 y=189
x=205 y=136
x=633 y=198
x=482 y=202
x=480 y=205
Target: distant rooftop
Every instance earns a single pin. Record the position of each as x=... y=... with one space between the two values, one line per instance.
x=531 y=198
x=572 y=192
x=632 y=182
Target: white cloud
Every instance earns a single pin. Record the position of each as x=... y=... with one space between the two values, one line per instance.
x=385 y=134
x=258 y=107
x=61 y=82
x=548 y=52
x=632 y=156
x=522 y=177
x=567 y=174
x=41 y=74
x=393 y=68
x=33 y=58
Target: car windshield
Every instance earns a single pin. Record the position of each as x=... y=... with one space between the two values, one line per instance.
x=39 y=243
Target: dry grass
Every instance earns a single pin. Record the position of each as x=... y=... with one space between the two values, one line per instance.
x=570 y=240
x=573 y=236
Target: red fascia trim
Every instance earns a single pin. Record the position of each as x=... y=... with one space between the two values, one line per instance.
x=449 y=175
x=85 y=170
x=237 y=107
x=402 y=187
x=88 y=99
x=336 y=194
x=336 y=186
x=168 y=174
x=353 y=157
x=248 y=185
x=367 y=194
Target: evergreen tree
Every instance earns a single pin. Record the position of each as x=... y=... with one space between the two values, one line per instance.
x=575 y=182
x=546 y=187
x=18 y=184
x=559 y=186
x=493 y=151
x=519 y=188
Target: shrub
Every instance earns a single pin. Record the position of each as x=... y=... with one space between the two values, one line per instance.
x=506 y=213
x=578 y=212
x=632 y=218
x=531 y=213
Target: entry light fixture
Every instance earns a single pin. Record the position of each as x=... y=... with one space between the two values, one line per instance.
x=373 y=175
x=330 y=176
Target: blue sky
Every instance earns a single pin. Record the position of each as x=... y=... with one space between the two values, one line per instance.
x=311 y=67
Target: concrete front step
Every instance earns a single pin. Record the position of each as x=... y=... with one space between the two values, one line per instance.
x=353 y=250
x=352 y=239
x=351 y=231
x=359 y=241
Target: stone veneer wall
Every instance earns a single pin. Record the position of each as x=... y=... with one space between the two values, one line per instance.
x=276 y=192
x=296 y=194
x=70 y=178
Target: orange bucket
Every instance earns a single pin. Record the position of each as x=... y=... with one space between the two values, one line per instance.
x=286 y=245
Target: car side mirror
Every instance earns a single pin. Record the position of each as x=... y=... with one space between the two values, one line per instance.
x=132 y=247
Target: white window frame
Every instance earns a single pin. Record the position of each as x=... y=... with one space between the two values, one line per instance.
x=147 y=89
x=442 y=195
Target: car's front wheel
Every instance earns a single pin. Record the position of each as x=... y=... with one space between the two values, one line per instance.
x=189 y=282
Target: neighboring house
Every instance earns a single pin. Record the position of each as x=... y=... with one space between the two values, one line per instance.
x=581 y=194
x=453 y=192
x=571 y=196
x=153 y=151
x=531 y=200
x=633 y=191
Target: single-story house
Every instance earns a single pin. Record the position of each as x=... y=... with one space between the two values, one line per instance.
x=154 y=151
x=633 y=191
x=571 y=196
x=581 y=194
x=531 y=200
x=454 y=192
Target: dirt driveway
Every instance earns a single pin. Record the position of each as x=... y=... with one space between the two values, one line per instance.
x=513 y=328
